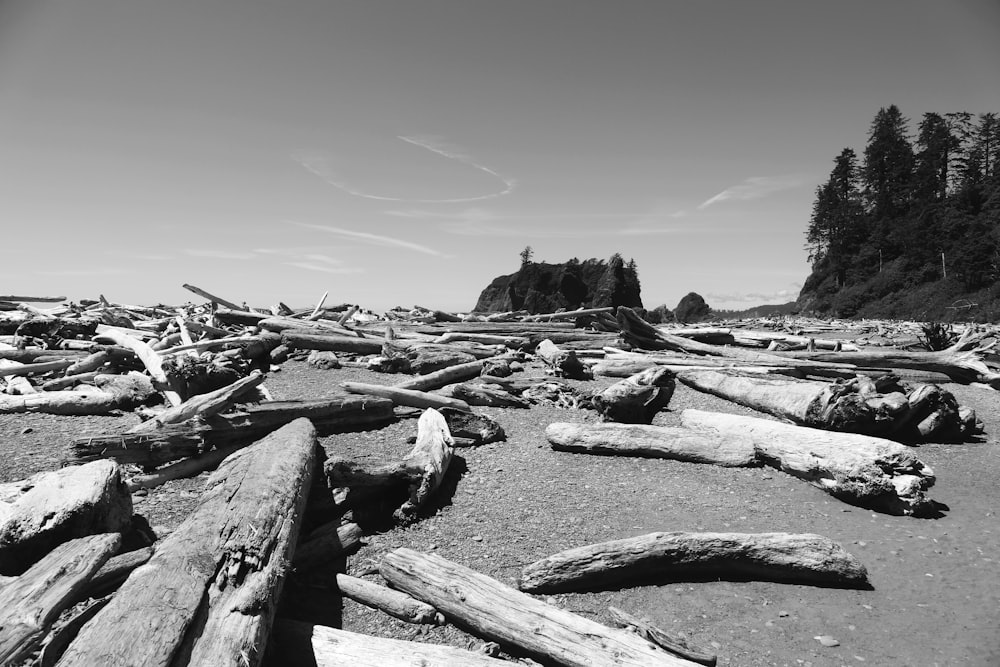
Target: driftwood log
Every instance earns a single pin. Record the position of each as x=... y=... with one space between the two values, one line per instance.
x=638 y=398
x=655 y=557
x=192 y=438
x=858 y=469
x=394 y=603
x=879 y=407
x=497 y=612
x=47 y=509
x=305 y=644
x=422 y=470
x=408 y=397
x=31 y=602
x=325 y=544
x=664 y=442
x=562 y=363
x=445 y=376
x=208 y=594
x=483 y=395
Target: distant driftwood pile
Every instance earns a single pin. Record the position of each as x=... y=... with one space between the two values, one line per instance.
x=82 y=585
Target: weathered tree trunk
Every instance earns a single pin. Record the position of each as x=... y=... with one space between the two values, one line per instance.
x=858 y=469
x=637 y=399
x=36 y=368
x=47 y=509
x=208 y=594
x=31 y=603
x=785 y=557
x=396 y=604
x=663 y=442
x=409 y=397
x=211 y=297
x=252 y=422
x=422 y=470
x=514 y=619
x=304 y=644
x=478 y=394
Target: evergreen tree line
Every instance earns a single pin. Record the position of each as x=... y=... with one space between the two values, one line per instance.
x=909 y=212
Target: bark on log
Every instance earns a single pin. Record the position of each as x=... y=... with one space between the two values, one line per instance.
x=675 y=644
x=803 y=558
x=409 y=397
x=208 y=594
x=31 y=603
x=396 y=604
x=304 y=644
x=858 y=469
x=47 y=509
x=663 y=442
x=514 y=619
x=638 y=398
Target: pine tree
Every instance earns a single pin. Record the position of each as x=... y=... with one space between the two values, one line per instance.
x=936 y=145
x=888 y=167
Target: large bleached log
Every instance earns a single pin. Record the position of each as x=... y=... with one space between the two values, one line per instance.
x=302 y=644
x=409 y=397
x=251 y=422
x=785 y=557
x=208 y=594
x=422 y=470
x=30 y=603
x=664 y=442
x=36 y=369
x=638 y=398
x=47 y=509
x=500 y=613
x=562 y=363
x=858 y=469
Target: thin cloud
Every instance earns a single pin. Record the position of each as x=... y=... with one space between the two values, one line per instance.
x=321 y=166
x=754 y=187
x=324 y=268
x=218 y=254
x=755 y=298
x=373 y=239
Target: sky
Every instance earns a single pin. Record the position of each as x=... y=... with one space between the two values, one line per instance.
x=405 y=152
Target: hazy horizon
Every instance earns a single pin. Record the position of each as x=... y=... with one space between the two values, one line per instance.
x=401 y=153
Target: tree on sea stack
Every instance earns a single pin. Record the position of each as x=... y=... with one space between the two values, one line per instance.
x=526 y=255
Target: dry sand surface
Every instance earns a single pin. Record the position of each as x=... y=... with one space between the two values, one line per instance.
x=936 y=589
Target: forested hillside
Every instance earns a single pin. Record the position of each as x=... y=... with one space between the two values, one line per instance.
x=910 y=229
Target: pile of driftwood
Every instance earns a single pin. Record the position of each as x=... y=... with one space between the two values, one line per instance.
x=77 y=568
